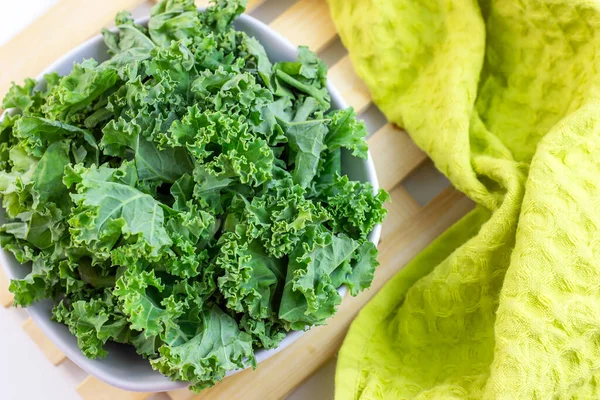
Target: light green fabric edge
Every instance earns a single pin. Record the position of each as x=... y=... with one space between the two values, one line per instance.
x=379 y=309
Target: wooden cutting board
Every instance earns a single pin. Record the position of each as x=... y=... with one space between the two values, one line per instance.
x=408 y=228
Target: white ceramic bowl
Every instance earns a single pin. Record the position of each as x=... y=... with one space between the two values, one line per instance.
x=122 y=367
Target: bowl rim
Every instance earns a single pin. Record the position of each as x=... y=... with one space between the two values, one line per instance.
x=163 y=383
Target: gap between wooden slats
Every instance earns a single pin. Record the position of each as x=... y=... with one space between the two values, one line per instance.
x=94 y=389
x=401 y=207
x=307 y=23
x=409 y=238
x=53 y=353
x=282 y=373
x=395 y=155
x=6 y=297
x=350 y=86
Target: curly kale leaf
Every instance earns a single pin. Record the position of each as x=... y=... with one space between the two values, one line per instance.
x=354 y=206
x=309 y=295
x=206 y=358
x=185 y=196
x=109 y=206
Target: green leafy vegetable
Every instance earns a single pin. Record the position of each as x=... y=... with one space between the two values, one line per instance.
x=186 y=196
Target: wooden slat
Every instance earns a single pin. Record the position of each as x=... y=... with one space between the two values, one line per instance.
x=6 y=297
x=64 y=26
x=307 y=23
x=94 y=389
x=279 y=375
x=181 y=394
x=402 y=207
x=49 y=349
x=252 y=4
x=395 y=155
x=350 y=86
x=409 y=238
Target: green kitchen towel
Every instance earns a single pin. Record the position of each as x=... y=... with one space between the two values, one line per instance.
x=504 y=96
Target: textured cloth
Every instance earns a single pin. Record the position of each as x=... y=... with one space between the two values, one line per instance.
x=504 y=97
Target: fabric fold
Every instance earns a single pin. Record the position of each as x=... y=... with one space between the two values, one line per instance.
x=504 y=98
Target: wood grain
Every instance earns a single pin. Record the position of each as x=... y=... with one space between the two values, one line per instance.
x=64 y=26
x=307 y=23
x=351 y=87
x=252 y=4
x=181 y=394
x=94 y=389
x=396 y=155
x=279 y=375
x=6 y=297
x=409 y=238
x=401 y=207
x=53 y=353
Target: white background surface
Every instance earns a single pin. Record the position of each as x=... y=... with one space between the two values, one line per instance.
x=25 y=373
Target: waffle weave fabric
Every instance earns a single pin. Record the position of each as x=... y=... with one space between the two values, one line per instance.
x=504 y=96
